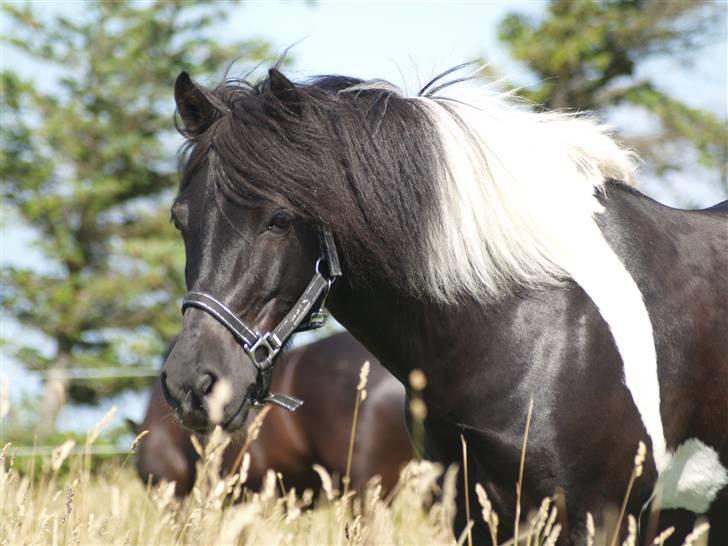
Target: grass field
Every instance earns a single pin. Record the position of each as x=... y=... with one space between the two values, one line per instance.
x=66 y=504
x=63 y=502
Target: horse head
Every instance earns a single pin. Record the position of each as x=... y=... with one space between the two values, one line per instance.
x=248 y=254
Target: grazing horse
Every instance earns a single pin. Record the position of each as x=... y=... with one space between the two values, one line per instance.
x=499 y=250
x=290 y=443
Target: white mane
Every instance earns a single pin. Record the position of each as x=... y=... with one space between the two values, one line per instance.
x=518 y=203
x=519 y=194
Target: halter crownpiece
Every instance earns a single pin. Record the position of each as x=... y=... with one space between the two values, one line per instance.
x=263 y=348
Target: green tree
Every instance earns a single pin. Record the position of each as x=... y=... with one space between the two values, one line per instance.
x=89 y=162
x=587 y=55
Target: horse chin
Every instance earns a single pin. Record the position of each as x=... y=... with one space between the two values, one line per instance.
x=238 y=419
x=195 y=424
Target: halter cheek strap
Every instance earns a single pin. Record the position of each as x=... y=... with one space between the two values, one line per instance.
x=263 y=348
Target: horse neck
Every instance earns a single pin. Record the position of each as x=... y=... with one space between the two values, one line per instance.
x=403 y=332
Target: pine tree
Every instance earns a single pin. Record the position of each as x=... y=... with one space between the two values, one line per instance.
x=587 y=55
x=89 y=162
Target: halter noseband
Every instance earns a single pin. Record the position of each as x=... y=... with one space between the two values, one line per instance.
x=263 y=348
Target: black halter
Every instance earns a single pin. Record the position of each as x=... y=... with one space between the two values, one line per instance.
x=263 y=348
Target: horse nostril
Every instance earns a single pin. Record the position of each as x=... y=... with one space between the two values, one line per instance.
x=205 y=383
x=171 y=400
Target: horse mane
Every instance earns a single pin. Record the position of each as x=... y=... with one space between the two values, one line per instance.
x=454 y=193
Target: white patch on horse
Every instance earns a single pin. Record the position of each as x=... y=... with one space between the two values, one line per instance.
x=518 y=208
x=692 y=479
x=612 y=289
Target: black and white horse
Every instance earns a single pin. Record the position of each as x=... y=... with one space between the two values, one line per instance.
x=499 y=250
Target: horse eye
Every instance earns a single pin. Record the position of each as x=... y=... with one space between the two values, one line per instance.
x=281 y=221
x=175 y=223
x=178 y=215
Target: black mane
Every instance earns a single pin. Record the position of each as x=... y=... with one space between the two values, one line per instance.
x=357 y=157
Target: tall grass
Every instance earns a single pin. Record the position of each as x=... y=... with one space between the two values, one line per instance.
x=67 y=503
x=112 y=506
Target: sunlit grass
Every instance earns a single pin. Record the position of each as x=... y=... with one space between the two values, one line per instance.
x=111 y=506
x=66 y=502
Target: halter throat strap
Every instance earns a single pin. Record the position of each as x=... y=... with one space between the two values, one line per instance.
x=262 y=349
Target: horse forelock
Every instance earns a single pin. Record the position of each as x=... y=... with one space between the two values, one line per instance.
x=362 y=163
x=447 y=196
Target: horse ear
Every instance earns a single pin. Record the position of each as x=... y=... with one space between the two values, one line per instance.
x=284 y=90
x=195 y=109
x=133 y=425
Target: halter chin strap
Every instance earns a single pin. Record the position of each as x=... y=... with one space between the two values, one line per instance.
x=263 y=348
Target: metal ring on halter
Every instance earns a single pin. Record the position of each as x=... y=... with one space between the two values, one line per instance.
x=317 y=268
x=328 y=276
x=329 y=282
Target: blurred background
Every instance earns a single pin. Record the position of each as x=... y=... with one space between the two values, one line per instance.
x=91 y=266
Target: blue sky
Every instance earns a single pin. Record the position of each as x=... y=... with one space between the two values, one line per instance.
x=389 y=40
x=403 y=42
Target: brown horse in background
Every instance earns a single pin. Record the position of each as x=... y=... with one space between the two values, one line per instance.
x=324 y=374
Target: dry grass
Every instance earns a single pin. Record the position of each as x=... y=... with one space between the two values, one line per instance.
x=113 y=507
x=68 y=504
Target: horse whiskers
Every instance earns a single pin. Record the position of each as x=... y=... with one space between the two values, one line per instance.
x=172 y=415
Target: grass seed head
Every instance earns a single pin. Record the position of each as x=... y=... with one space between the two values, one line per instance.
x=69 y=502
x=553 y=536
x=307 y=497
x=590 y=530
x=326 y=483
x=269 y=486
x=244 y=467
x=551 y=520
x=639 y=459
x=138 y=439
x=698 y=531
x=484 y=502
x=292 y=509
x=417 y=380
x=199 y=449
x=631 y=531
x=418 y=409
x=59 y=454
x=539 y=522
x=255 y=426
x=101 y=425
x=662 y=537
x=222 y=393
x=363 y=376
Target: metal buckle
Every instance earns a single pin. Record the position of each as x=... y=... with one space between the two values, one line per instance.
x=264 y=350
x=317 y=320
